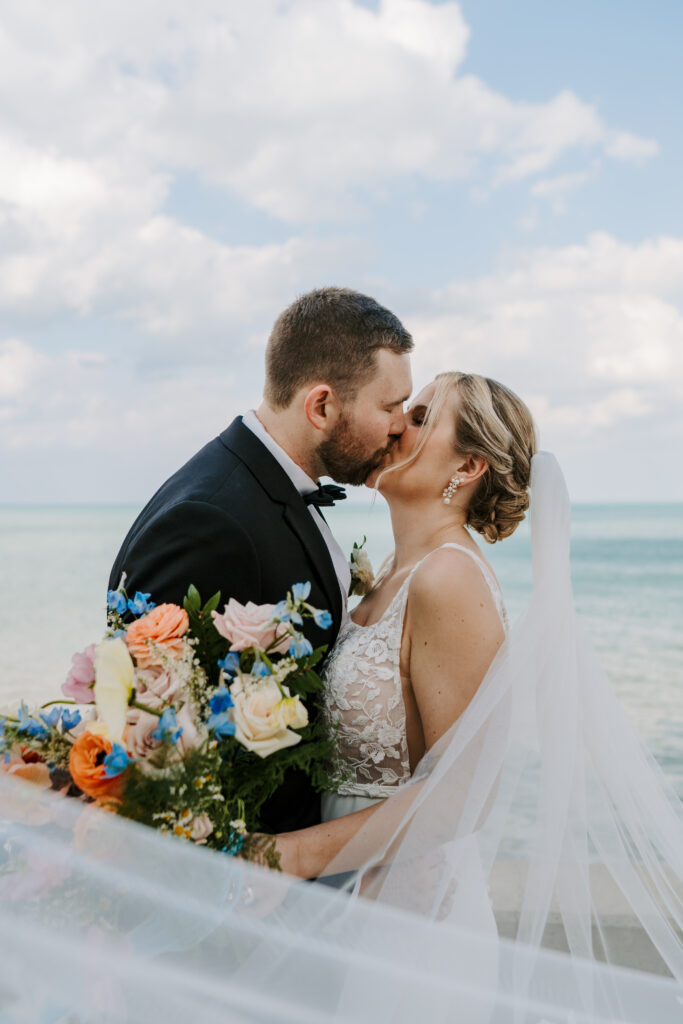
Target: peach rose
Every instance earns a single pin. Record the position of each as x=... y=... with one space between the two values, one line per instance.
x=165 y=625
x=25 y=805
x=85 y=764
x=250 y=625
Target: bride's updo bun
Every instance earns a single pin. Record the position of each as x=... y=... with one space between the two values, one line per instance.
x=496 y=425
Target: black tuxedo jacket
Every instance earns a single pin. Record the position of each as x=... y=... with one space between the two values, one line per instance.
x=231 y=520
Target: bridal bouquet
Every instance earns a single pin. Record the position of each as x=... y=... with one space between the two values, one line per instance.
x=192 y=717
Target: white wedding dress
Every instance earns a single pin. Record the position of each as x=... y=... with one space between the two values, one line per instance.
x=106 y=921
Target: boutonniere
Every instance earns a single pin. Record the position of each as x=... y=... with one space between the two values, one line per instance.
x=362 y=576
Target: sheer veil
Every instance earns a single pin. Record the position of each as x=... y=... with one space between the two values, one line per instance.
x=451 y=911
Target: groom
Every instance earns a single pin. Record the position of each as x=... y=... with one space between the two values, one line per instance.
x=243 y=516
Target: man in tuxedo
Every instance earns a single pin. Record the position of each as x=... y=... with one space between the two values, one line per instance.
x=243 y=516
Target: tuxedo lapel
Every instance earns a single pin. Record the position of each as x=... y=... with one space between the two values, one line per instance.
x=299 y=519
x=272 y=478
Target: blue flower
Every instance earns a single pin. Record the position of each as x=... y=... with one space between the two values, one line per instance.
x=286 y=611
x=300 y=647
x=221 y=725
x=52 y=717
x=260 y=669
x=140 y=604
x=116 y=762
x=168 y=730
x=300 y=592
x=116 y=602
x=230 y=663
x=323 y=619
x=220 y=701
x=70 y=719
x=29 y=725
x=235 y=843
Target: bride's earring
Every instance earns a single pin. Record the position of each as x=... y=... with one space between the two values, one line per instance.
x=450 y=489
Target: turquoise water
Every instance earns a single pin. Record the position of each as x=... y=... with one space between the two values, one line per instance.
x=627 y=570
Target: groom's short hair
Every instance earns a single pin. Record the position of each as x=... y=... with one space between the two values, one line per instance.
x=330 y=335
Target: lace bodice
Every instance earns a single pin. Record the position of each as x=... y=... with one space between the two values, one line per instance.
x=363 y=694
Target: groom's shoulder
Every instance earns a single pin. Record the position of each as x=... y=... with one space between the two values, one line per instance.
x=233 y=473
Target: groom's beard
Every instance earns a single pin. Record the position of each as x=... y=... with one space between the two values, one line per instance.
x=346 y=460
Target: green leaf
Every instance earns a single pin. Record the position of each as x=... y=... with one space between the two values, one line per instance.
x=212 y=604
x=192 y=601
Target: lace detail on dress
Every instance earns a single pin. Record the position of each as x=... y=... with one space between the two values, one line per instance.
x=363 y=696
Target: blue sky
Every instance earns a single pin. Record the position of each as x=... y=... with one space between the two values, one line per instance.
x=506 y=177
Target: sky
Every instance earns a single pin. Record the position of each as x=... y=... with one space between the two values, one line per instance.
x=504 y=177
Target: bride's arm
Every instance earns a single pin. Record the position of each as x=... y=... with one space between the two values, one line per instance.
x=453 y=632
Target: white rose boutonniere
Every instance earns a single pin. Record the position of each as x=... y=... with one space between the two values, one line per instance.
x=362 y=576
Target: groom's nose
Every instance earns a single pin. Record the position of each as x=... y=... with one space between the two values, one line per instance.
x=398 y=425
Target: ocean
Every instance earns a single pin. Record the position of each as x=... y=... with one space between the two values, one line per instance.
x=627 y=573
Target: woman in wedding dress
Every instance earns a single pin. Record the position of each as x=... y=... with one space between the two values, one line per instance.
x=411 y=658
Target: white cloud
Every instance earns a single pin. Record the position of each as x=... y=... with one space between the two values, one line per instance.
x=625 y=146
x=591 y=334
x=19 y=364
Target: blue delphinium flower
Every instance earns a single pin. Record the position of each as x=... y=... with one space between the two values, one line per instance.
x=51 y=719
x=235 y=843
x=286 y=611
x=300 y=592
x=230 y=663
x=70 y=719
x=168 y=730
x=300 y=647
x=29 y=725
x=116 y=762
x=260 y=669
x=116 y=602
x=140 y=604
x=323 y=619
x=220 y=725
x=220 y=701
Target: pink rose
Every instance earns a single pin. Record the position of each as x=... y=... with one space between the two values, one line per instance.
x=191 y=737
x=251 y=625
x=156 y=686
x=202 y=827
x=78 y=684
x=137 y=735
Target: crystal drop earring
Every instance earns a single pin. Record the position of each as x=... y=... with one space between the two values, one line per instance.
x=450 y=489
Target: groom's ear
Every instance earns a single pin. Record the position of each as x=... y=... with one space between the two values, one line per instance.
x=322 y=407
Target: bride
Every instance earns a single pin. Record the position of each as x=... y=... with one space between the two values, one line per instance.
x=417 y=648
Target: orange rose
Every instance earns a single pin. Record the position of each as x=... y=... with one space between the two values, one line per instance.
x=164 y=625
x=85 y=764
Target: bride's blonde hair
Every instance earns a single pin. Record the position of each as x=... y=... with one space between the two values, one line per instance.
x=494 y=424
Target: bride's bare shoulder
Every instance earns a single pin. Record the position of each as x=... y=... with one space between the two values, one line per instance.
x=452 y=580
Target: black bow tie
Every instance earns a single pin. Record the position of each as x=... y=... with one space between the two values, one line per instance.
x=326 y=495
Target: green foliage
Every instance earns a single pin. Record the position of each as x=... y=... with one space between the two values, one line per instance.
x=209 y=644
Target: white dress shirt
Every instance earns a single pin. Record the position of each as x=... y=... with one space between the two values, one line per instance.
x=304 y=485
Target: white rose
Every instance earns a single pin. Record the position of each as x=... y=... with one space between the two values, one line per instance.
x=362 y=576
x=113 y=685
x=262 y=716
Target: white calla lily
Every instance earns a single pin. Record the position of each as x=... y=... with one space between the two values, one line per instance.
x=113 y=685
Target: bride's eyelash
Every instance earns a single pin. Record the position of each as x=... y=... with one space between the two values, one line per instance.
x=418 y=415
